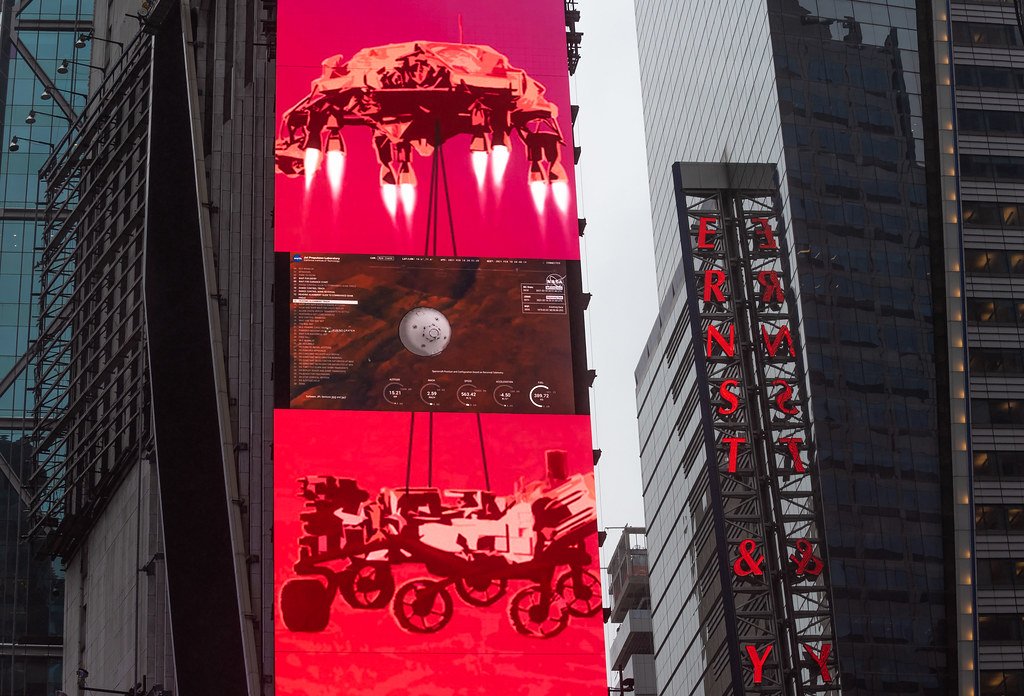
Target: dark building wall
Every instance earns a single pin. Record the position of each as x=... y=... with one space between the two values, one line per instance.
x=853 y=133
x=235 y=85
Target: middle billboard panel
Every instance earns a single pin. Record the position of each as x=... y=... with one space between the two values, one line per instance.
x=403 y=333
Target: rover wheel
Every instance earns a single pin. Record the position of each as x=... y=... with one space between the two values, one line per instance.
x=538 y=614
x=581 y=591
x=305 y=605
x=422 y=606
x=367 y=585
x=481 y=592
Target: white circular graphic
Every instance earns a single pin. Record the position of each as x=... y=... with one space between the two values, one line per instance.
x=425 y=331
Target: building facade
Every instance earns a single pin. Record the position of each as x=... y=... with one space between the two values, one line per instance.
x=986 y=54
x=876 y=121
x=631 y=652
x=35 y=39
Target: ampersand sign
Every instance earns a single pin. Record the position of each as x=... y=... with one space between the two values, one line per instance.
x=806 y=562
x=746 y=564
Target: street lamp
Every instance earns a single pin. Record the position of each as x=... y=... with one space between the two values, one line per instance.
x=47 y=95
x=87 y=36
x=63 y=68
x=33 y=114
x=15 y=143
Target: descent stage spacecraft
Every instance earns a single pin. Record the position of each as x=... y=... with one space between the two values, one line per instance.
x=415 y=96
x=425 y=332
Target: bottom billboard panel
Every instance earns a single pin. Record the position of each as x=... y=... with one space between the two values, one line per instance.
x=436 y=553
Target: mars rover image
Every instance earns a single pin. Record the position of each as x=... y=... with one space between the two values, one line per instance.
x=414 y=97
x=476 y=544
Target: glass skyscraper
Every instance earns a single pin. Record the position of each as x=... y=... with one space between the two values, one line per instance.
x=893 y=128
x=39 y=101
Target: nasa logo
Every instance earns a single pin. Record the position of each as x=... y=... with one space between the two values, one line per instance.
x=554 y=282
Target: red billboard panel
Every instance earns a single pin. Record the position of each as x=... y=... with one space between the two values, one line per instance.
x=415 y=333
x=436 y=553
x=424 y=128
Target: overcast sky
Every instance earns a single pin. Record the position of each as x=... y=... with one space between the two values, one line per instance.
x=618 y=247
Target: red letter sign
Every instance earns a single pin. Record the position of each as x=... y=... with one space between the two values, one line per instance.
x=804 y=560
x=746 y=564
x=734 y=449
x=764 y=230
x=715 y=336
x=714 y=279
x=758 y=661
x=772 y=344
x=771 y=287
x=705 y=232
x=820 y=659
x=793 y=443
x=783 y=399
x=732 y=399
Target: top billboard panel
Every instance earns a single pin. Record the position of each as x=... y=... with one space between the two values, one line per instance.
x=431 y=128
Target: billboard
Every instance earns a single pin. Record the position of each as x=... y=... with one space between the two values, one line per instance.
x=434 y=501
x=401 y=333
x=436 y=553
x=364 y=99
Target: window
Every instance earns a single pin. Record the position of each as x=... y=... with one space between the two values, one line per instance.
x=999 y=518
x=989 y=78
x=997 y=412
x=995 y=311
x=994 y=261
x=1006 y=682
x=998 y=464
x=985 y=214
x=1000 y=573
x=999 y=627
x=992 y=166
x=1009 y=123
x=996 y=361
x=983 y=34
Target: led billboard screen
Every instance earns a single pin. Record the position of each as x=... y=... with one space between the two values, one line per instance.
x=436 y=553
x=430 y=334
x=365 y=95
x=434 y=498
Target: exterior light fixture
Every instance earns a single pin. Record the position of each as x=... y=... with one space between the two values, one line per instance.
x=16 y=141
x=85 y=37
x=34 y=115
x=66 y=63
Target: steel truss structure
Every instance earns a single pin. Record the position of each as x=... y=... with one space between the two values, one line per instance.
x=764 y=495
x=91 y=419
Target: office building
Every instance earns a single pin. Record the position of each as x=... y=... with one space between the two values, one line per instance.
x=889 y=131
x=631 y=650
x=35 y=38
